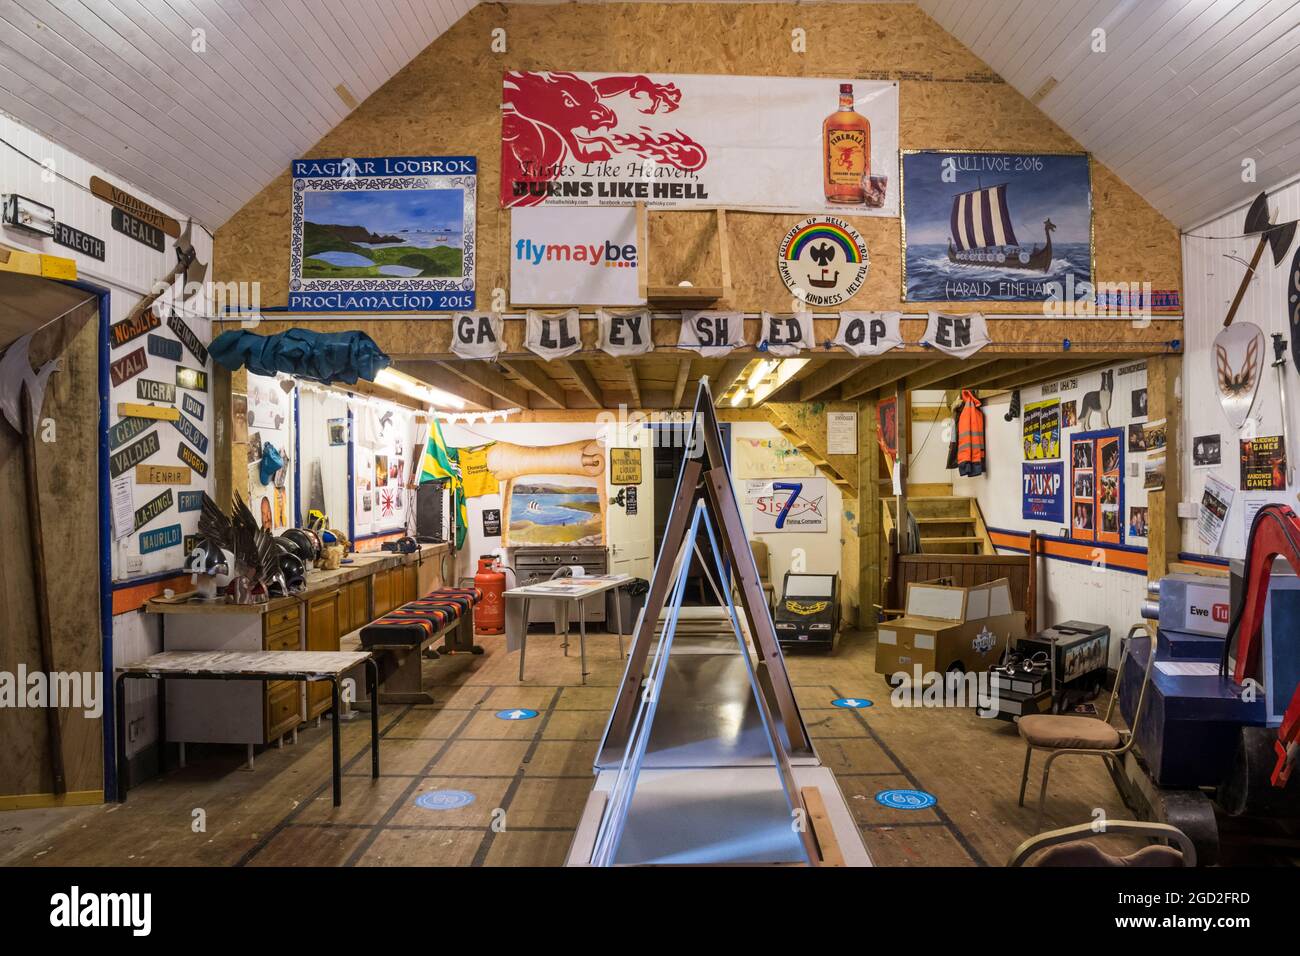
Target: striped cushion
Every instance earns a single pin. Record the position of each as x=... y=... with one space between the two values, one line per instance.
x=418 y=620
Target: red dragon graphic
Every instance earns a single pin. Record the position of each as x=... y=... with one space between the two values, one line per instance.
x=548 y=119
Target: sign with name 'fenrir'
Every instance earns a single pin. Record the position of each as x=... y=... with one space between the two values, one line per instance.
x=383 y=234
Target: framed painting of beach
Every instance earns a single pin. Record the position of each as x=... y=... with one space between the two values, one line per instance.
x=553 y=511
x=386 y=234
x=997 y=227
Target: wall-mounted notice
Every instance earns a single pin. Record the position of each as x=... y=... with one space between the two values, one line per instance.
x=842 y=433
x=1216 y=501
x=1263 y=464
x=1043 y=491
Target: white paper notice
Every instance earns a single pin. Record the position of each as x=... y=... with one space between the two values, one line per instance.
x=1216 y=501
x=123 y=495
x=842 y=433
x=1188 y=668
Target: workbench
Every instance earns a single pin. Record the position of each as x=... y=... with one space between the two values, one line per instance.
x=261 y=666
x=333 y=604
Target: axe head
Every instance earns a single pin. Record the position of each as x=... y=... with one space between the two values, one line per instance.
x=192 y=269
x=1259 y=222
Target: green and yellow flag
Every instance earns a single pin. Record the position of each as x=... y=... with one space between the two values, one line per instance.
x=439 y=464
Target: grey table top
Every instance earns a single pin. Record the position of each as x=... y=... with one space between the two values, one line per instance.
x=252 y=663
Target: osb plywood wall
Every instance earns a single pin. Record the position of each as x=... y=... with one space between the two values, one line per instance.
x=70 y=521
x=447 y=101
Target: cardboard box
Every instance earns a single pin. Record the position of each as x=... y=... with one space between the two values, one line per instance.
x=949 y=627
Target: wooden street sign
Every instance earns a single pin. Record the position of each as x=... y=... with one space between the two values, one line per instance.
x=188 y=338
x=138 y=208
x=128 y=366
x=188 y=455
x=160 y=413
x=190 y=432
x=131 y=456
x=132 y=327
x=139 y=230
x=148 y=390
x=164 y=347
x=192 y=378
x=162 y=475
x=152 y=509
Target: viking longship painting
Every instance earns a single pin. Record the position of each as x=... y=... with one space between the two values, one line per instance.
x=983 y=234
x=1009 y=227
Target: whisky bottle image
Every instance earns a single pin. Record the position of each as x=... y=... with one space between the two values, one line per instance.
x=846 y=152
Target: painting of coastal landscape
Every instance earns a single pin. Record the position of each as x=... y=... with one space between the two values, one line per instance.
x=364 y=240
x=546 y=513
x=373 y=233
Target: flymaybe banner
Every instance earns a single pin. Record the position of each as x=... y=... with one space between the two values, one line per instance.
x=770 y=144
x=561 y=256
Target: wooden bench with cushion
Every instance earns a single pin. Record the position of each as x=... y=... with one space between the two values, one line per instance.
x=402 y=635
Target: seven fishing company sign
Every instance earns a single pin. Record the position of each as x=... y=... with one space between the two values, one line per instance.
x=386 y=234
x=774 y=144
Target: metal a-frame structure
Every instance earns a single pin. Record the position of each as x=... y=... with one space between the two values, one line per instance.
x=705 y=500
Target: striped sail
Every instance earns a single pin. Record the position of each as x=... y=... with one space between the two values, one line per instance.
x=980 y=218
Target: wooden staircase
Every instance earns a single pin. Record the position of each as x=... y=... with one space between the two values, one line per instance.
x=949 y=524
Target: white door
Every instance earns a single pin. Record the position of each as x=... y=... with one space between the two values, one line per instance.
x=630 y=526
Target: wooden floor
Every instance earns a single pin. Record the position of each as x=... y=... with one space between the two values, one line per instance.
x=534 y=775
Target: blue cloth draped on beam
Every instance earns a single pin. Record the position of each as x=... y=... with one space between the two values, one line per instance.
x=324 y=357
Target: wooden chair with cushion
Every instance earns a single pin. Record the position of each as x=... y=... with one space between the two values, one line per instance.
x=1063 y=848
x=1062 y=734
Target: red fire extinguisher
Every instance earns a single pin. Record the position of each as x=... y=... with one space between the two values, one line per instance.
x=490 y=615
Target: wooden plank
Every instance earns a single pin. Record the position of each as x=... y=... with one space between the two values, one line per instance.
x=634 y=386
x=481 y=373
x=724 y=252
x=822 y=829
x=886 y=373
x=679 y=388
x=935 y=373
x=532 y=375
x=831 y=377
x=586 y=381
x=727 y=377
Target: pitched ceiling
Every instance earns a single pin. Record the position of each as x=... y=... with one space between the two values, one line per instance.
x=119 y=82
x=1186 y=90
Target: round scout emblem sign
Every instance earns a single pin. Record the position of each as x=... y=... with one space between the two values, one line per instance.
x=823 y=261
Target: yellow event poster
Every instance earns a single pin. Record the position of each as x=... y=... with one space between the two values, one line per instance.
x=1042 y=430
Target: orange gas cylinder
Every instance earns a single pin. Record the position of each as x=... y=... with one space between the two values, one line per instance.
x=490 y=615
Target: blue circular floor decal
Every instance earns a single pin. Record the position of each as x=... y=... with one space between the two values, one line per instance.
x=852 y=702
x=444 y=799
x=519 y=713
x=906 y=799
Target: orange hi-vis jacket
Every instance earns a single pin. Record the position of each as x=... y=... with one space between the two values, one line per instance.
x=970 y=436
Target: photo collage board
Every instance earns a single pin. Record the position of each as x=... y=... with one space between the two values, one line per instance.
x=1097 y=486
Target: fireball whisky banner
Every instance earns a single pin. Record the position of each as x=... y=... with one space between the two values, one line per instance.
x=771 y=144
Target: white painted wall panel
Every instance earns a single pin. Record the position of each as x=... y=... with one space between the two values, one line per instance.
x=1212 y=273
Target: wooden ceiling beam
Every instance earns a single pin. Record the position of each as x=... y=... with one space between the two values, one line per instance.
x=683 y=375
x=633 y=383
x=482 y=374
x=880 y=375
x=532 y=375
x=587 y=383
x=727 y=377
x=432 y=373
x=937 y=373
x=832 y=376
